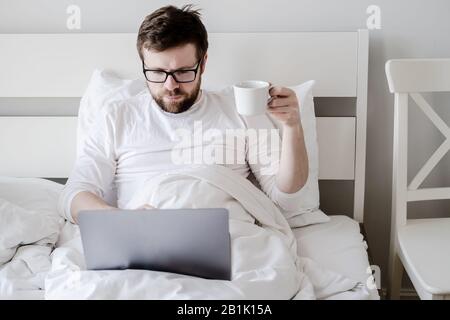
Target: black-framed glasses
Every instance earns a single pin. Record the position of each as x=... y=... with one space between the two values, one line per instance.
x=180 y=76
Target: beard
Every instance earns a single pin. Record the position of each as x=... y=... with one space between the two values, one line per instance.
x=183 y=103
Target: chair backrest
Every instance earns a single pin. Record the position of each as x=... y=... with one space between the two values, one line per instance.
x=412 y=77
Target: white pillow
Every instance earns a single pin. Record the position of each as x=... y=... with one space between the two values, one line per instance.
x=308 y=120
x=105 y=87
x=31 y=193
x=309 y=212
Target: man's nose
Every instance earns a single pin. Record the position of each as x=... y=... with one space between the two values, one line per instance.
x=170 y=83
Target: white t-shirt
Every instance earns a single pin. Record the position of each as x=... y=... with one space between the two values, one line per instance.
x=134 y=139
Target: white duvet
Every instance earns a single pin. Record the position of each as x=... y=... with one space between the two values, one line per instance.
x=265 y=264
x=27 y=237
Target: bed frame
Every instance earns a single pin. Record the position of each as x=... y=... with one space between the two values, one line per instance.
x=60 y=65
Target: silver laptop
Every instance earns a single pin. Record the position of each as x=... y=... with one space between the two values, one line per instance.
x=187 y=241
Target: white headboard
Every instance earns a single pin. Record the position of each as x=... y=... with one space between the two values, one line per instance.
x=60 y=65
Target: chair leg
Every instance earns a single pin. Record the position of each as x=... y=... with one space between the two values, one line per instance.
x=395 y=277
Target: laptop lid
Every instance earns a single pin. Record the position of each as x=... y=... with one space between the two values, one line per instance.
x=187 y=241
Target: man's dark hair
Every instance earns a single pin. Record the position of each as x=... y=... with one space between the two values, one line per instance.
x=170 y=27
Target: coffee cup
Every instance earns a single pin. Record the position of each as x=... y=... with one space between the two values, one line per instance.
x=251 y=97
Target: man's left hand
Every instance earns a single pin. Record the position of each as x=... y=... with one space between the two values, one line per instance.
x=284 y=106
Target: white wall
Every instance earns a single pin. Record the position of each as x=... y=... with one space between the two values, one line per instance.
x=410 y=28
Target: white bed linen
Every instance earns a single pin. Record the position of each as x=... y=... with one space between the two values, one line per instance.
x=29 y=228
x=339 y=246
x=265 y=263
x=336 y=245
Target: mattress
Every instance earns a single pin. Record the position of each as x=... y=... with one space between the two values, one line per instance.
x=337 y=245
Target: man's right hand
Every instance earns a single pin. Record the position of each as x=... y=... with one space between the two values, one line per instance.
x=87 y=201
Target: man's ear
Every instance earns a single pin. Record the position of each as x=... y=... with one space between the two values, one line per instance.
x=204 y=62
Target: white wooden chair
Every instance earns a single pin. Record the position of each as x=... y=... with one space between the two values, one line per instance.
x=419 y=246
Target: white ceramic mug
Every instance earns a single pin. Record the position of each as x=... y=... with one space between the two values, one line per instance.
x=251 y=97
